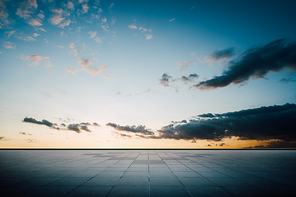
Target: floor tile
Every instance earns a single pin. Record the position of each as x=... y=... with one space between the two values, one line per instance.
x=170 y=182
x=247 y=191
x=89 y=192
x=197 y=182
x=168 y=192
x=133 y=182
x=228 y=182
x=100 y=182
x=208 y=192
x=133 y=172
x=129 y=191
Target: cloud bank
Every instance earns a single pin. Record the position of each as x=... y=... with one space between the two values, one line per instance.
x=264 y=123
x=253 y=64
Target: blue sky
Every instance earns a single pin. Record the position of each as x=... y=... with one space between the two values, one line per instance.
x=133 y=67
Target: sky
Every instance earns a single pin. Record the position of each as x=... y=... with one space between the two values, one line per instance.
x=147 y=74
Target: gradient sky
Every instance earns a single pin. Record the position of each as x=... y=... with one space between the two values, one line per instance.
x=155 y=74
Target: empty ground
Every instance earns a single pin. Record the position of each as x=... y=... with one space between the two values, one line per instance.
x=147 y=173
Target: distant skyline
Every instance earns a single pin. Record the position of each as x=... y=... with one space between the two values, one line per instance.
x=147 y=74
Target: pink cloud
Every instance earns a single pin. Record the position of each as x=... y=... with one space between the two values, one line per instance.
x=71 y=70
x=35 y=22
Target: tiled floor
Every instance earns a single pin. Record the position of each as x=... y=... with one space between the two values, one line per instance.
x=147 y=173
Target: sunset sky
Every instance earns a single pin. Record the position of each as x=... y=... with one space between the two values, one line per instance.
x=147 y=74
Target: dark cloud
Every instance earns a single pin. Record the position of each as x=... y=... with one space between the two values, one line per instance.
x=208 y=115
x=264 y=123
x=274 y=144
x=72 y=127
x=96 y=124
x=222 y=144
x=123 y=135
x=43 y=122
x=287 y=80
x=1 y=137
x=259 y=146
x=255 y=63
x=83 y=127
x=23 y=133
x=78 y=127
x=134 y=129
x=190 y=78
x=221 y=55
x=85 y=123
x=165 y=80
x=281 y=144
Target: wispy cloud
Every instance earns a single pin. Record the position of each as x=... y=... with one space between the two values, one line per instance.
x=35 y=22
x=144 y=29
x=85 y=8
x=133 y=27
x=71 y=70
x=10 y=33
x=36 y=59
x=59 y=17
x=149 y=36
x=104 y=67
x=172 y=19
x=98 y=40
x=113 y=20
x=111 y=5
x=41 y=14
x=65 y=23
x=184 y=65
x=254 y=63
x=27 y=9
x=70 y=5
x=26 y=38
x=9 y=45
x=36 y=35
x=39 y=28
x=76 y=50
x=86 y=64
x=92 y=34
x=4 y=20
x=104 y=24
x=56 y=19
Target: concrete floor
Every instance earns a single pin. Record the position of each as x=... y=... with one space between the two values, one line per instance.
x=147 y=173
